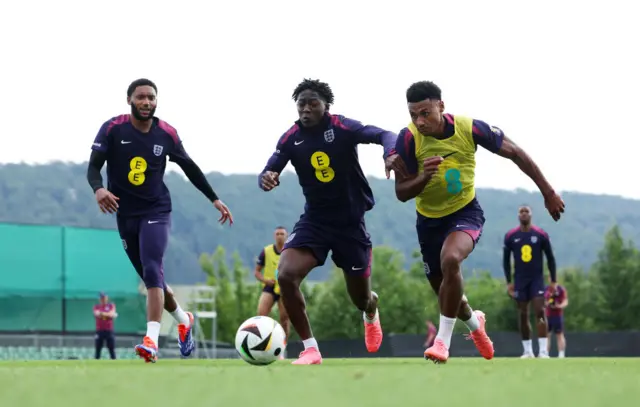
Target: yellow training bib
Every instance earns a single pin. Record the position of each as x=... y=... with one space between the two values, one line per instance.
x=271 y=259
x=452 y=187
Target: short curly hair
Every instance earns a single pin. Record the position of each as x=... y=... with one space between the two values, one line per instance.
x=321 y=88
x=423 y=90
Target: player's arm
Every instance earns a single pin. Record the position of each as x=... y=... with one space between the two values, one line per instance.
x=99 y=150
x=506 y=263
x=259 y=267
x=107 y=202
x=96 y=312
x=494 y=140
x=565 y=300
x=111 y=314
x=269 y=178
x=551 y=260
x=367 y=134
x=193 y=172
x=411 y=185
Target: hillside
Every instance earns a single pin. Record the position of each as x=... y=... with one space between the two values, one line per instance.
x=58 y=194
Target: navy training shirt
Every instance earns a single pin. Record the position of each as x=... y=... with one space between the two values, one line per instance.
x=136 y=163
x=528 y=249
x=325 y=158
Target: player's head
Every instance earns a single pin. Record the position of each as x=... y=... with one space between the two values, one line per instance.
x=524 y=215
x=104 y=298
x=313 y=99
x=426 y=107
x=142 y=96
x=280 y=235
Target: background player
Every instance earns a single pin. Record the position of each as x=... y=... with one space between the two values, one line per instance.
x=527 y=243
x=556 y=301
x=135 y=147
x=105 y=313
x=323 y=150
x=431 y=334
x=265 y=272
x=439 y=152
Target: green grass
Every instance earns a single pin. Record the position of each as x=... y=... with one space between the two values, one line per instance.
x=337 y=383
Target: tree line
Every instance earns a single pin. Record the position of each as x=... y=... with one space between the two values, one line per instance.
x=65 y=199
x=601 y=298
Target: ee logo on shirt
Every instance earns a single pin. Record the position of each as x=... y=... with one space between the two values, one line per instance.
x=321 y=162
x=138 y=167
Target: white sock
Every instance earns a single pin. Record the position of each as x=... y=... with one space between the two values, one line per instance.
x=310 y=343
x=370 y=320
x=180 y=316
x=153 y=331
x=445 y=330
x=528 y=346
x=472 y=323
x=560 y=353
x=542 y=342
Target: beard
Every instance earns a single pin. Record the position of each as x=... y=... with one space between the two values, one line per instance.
x=136 y=113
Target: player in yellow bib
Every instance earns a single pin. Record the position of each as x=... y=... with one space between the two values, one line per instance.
x=439 y=152
x=266 y=273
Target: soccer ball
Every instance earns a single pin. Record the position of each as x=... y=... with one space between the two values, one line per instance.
x=260 y=340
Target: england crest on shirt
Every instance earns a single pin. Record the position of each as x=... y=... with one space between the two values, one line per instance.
x=534 y=239
x=157 y=150
x=329 y=136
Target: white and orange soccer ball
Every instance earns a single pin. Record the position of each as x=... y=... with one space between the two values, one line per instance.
x=260 y=341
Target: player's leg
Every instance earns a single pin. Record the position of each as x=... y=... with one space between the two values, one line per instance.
x=560 y=338
x=111 y=345
x=154 y=237
x=129 y=229
x=537 y=292
x=184 y=319
x=305 y=249
x=352 y=252
x=522 y=297
x=265 y=301
x=284 y=318
x=99 y=344
x=284 y=323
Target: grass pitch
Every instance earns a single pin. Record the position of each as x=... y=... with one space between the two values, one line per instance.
x=596 y=382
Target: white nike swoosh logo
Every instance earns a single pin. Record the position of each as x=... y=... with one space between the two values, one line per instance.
x=297 y=143
x=125 y=142
x=151 y=222
x=356 y=268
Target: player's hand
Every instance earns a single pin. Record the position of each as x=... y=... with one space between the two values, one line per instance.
x=555 y=205
x=107 y=201
x=511 y=290
x=270 y=180
x=270 y=282
x=553 y=286
x=431 y=165
x=224 y=212
x=396 y=164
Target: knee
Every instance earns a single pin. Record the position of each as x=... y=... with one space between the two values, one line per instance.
x=288 y=277
x=153 y=278
x=523 y=312
x=450 y=262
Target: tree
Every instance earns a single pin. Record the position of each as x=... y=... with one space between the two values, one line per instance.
x=618 y=275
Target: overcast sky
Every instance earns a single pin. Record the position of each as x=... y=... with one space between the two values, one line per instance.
x=560 y=78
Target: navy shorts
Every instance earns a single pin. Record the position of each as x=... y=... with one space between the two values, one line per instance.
x=269 y=289
x=432 y=233
x=145 y=240
x=555 y=323
x=528 y=289
x=350 y=245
